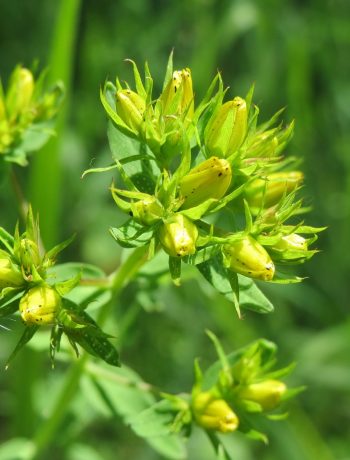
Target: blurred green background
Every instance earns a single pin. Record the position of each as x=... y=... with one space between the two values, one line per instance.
x=297 y=53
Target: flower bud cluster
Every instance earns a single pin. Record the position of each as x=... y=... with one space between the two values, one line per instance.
x=27 y=287
x=23 y=269
x=244 y=385
x=23 y=106
x=203 y=159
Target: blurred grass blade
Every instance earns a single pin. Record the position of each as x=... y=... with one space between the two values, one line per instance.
x=46 y=174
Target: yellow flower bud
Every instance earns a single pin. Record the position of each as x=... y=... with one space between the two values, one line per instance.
x=264 y=145
x=178 y=236
x=249 y=258
x=10 y=276
x=292 y=242
x=214 y=414
x=227 y=128
x=29 y=253
x=147 y=211
x=181 y=81
x=131 y=108
x=40 y=306
x=270 y=190
x=210 y=179
x=20 y=92
x=267 y=393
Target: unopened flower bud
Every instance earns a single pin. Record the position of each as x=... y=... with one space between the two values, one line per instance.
x=227 y=128
x=214 y=414
x=29 y=253
x=267 y=393
x=292 y=242
x=178 y=236
x=270 y=190
x=210 y=179
x=147 y=211
x=20 y=91
x=131 y=108
x=10 y=276
x=263 y=145
x=40 y=306
x=249 y=258
x=177 y=104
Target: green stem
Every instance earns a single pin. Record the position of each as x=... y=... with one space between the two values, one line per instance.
x=98 y=371
x=118 y=280
x=125 y=273
x=49 y=428
x=131 y=266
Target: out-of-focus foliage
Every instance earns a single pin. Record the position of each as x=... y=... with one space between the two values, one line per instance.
x=297 y=54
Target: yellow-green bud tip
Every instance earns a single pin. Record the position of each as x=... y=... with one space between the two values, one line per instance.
x=210 y=179
x=130 y=107
x=178 y=236
x=272 y=188
x=40 y=306
x=249 y=258
x=214 y=413
x=147 y=211
x=291 y=242
x=267 y=393
x=10 y=275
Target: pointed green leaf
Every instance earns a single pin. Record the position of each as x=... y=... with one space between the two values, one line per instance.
x=175 y=269
x=132 y=234
x=219 y=277
x=138 y=81
x=66 y=286
x=28 y=333
x=52 y=253
x=251 y=298
x=169 y=70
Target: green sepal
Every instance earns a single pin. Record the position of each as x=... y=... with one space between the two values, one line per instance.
x=282 y=278
x=110 y=109
x=9 y=302
x=27 y=335
x=225 y=365
x=202 y=255
x=226 y=199
x=64 y=287
x=132 y=234
x=138 y=81
x=35 y=276
x=7 y=240
x=99 y=170
x=197 y=212
x=169 y=70
x=50 y=256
